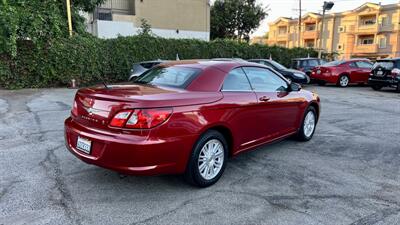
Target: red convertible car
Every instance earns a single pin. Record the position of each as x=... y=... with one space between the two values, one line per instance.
x=188 y=117
x=343 y=72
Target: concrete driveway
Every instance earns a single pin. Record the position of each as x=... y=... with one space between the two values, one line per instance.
x=348 y=174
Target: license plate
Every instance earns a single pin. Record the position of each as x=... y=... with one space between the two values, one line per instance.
x=84 y=145
x=380 y=73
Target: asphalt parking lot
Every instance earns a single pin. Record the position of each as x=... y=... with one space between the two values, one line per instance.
x=349 y=173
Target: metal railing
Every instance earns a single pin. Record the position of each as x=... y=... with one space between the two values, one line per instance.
x=110 y=7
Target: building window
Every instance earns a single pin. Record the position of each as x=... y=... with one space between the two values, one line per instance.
x=339 y=47
x=309 y=43
x=368 y=20
x=383 y=21
x=382 y=42
x=282 y=30
x=341 y=29
x=310 y=27
x=366 y=40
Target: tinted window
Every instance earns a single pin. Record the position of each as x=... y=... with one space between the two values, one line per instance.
x=178 y=77
x=149 y=65
x=385 y=64
x=363 y=64
x=313 y=62
x=277 y=65
x=353 y=65
x=265 y=80
x=294 y=64
x=236 y=80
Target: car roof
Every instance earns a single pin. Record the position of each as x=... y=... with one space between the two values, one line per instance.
x=152 y=61
x=304 y=58
x=204 y=64
x=389 y=59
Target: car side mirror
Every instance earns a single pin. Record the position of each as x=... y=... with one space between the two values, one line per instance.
x=295 y=87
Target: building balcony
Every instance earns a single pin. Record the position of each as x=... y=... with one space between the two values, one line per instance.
x=365 y=49
x=282 y=37
x=368 y=29
x=310 y=34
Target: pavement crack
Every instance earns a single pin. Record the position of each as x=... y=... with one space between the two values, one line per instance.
x=174 y=210
x=376 y=216
x=60 y=194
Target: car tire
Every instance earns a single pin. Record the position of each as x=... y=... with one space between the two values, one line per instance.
x=343 y=81
x=201 y=160
x=376 y=87
x=398 y=88
x=308 y=125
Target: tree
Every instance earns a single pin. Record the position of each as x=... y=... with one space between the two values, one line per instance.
x=235 y=19
x=145 y=28
x=38 y=21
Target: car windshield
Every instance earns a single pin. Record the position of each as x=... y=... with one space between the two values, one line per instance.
x=385 y=64
x=334 y=63
x=174 y=76
x=277 y=65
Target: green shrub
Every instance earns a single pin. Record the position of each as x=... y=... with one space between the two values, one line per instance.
x=90 y=60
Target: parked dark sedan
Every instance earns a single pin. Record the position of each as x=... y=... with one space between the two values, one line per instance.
x=385 y=73
x=141 y=67
x=290 y=74
x=306 y=64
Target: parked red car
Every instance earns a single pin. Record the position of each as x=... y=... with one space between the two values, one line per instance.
x=343 y=72
x=188 y=117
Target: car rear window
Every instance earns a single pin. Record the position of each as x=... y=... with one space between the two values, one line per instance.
x=385 y=64
x=174 y=76
x=313 y=63
x=334 y=63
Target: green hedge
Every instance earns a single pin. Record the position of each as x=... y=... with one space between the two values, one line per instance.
x=89 y=59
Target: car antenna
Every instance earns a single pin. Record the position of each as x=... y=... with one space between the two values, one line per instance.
x=104 y=83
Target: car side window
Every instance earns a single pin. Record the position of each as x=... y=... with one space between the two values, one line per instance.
x=264 y=80
x=236 y=80
x=353 y=65
x=267 y=64
x=363 y=64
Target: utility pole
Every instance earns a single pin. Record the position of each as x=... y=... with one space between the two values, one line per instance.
x=299 y=37
x=69 y=17
x=326 y=6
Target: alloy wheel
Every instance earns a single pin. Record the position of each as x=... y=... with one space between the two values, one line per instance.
x=309 y=124
x=211 y=159
x=344 y=81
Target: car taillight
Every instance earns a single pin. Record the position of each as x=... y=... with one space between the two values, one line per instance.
x=395 y=72
x=141 y=118
x=74 y=110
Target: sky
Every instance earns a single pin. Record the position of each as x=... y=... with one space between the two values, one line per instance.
x=287 y=8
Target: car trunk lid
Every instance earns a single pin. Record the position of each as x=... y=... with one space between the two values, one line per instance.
x=97 y=105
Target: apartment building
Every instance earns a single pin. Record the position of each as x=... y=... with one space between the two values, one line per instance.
x=168 y=18
x=369 y=31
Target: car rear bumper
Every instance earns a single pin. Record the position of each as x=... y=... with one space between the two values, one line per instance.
x=130 y=154
x=384 y=82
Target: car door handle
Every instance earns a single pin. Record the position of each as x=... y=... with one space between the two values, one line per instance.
x=264 y=99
